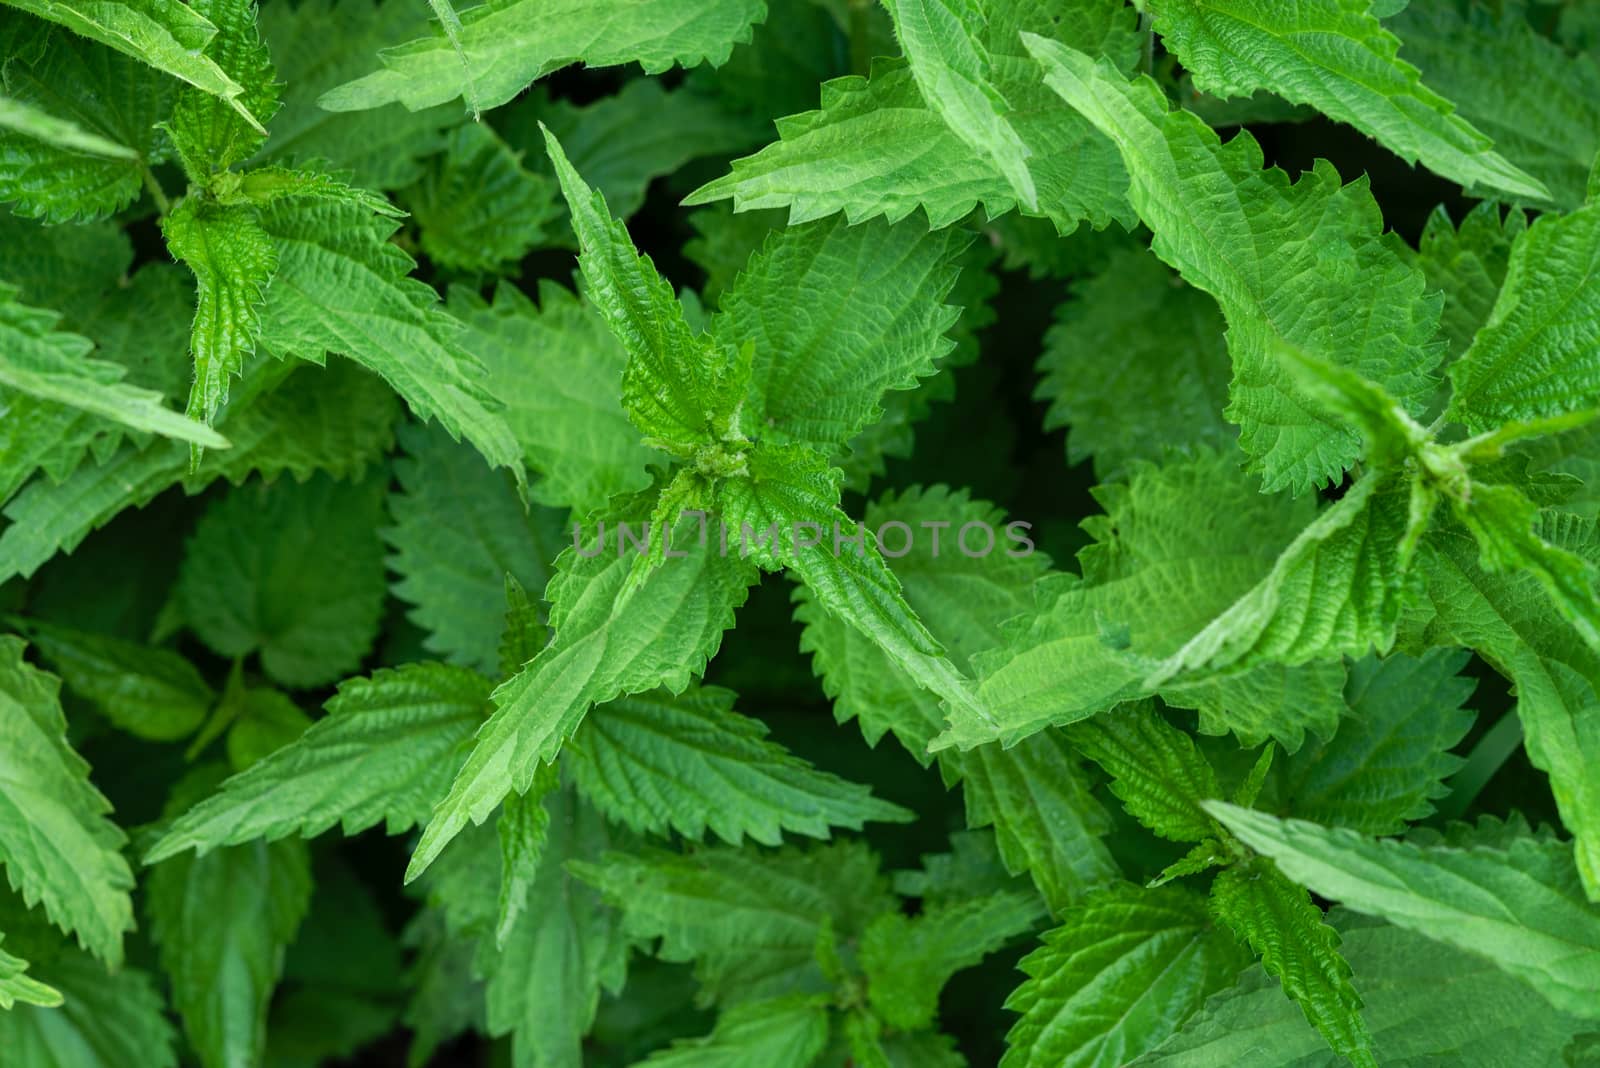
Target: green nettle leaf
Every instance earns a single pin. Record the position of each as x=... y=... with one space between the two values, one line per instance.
x=342 y=288
x=907 y=959
x=17 y=988
x=819 y=382
x=1540 y=103
x=557 y=368
x=384 y=753
x=454 y=573
x=789 y=1030
x=1285 y=928
x=680 y=390
x=57 y=842
x=104 y=1021
x=58 y=133
x=167 y=35
x=40 y=361
x=877 y=146
x=1123 y=972
x=502 y=46
x=108 y=95
x=603 y=647
x=1387 y=762
x=1033 y=794
x=209 y=134
x=233 y=260
x=1510 y=621
x=1336 y=56
x=292 y=570
x=475 y=206
x=1156 y=771
x=1539 y=353
x=1406 y=982
x=319 y=44
x=1168 y=338
x=1522 y=906
x=751 y=921
x=149 y=692
x=546 y=972
x=1297 y=265
x=621 y=142
x=688 y=763
x=943 y=40
x=221 y=923
x=1187 y=554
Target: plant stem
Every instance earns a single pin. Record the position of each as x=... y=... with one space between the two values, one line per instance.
x=1147 y=56
x=157 y=194
x=1486 y=758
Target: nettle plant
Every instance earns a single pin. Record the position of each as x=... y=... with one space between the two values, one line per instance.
x=1297 y=764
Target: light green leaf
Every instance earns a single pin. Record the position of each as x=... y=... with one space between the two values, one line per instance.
x=233 y=261
x=61 y=133
x=107 y=95
x=221 y=923
x=105 y=1021
x=384 y=753
x=1426 y=1004
x=790 y=1031
x=1335 y=56
x=1387 y=762
x=603 y=647
x=342 y=287
x=908 y=959
x=16 y=987
x=819 y=381
x=1179 y=545
x=1123 y=971
x=294 y=570
x=1303 y=265
x=166 y=34
x=1156 y=771
x=39 y=361
x=878 y=147
x=1285 y=928
x=149 y=692
x=454 y=574
x=750 y=919
x=559 y=368
x=690 y=763
x=787 y=511
x=476 y=207
x=1521 y=906
x=1539 y=353
x=1507 y=618
x=1540 y=103
x=502 y=46
x=57 y=842
x=678 y=389
x=1338 y=589
x=944 y=43
x=1046 y=822
x=212 y=135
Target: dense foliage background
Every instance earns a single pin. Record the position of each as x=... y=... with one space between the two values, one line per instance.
x=320 y=744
